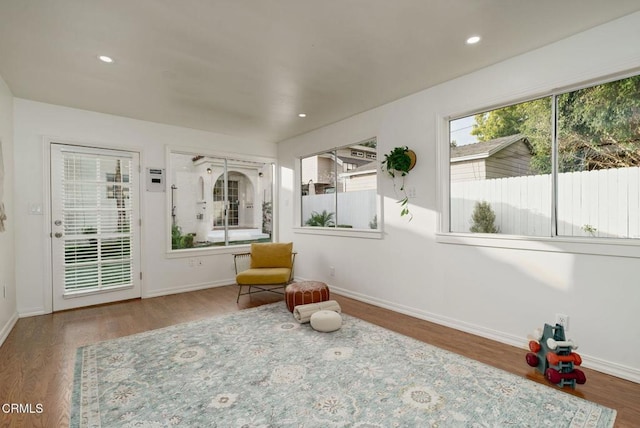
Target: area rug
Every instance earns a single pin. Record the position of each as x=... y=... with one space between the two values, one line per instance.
x=260 y=368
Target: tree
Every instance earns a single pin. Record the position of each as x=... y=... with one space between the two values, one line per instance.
x=483 y=219
x=598 y=127
x=498 y=123
x=532 y=119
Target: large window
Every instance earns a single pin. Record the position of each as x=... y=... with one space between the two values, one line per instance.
x=218 y=201
x=564 y=165
x=339 y=187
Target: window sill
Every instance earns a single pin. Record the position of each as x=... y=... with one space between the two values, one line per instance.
x=600 y=247
x=344 y=232
x=206 y=251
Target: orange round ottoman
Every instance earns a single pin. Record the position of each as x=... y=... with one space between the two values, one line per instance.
x=305 y=292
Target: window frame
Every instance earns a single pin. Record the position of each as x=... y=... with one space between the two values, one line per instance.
x=171 y=253
x=617 y=247
x=300 y=228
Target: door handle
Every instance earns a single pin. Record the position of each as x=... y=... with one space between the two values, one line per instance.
x=57 y=222
x=58 y=235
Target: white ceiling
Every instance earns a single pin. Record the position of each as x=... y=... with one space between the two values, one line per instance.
x=248 y=67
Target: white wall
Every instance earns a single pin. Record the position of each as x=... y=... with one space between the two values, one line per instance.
x=495 y=292
x=162 y=275
x=8 y=314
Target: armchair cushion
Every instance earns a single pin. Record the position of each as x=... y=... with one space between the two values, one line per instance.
x=271 y=255
x=264 y=276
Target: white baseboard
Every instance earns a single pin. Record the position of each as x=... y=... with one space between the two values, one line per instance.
x=187 y=288
x=613 y=369
x=6 y=329
x=33 y=312
x=437 y=319
x=607 y=367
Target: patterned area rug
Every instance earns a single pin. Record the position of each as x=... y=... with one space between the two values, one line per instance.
x=260 y=368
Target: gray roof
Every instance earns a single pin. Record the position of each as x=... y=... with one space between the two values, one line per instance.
x=368 y=168
x=485 y=148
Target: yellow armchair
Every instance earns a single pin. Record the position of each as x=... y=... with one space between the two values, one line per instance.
x=267 y=267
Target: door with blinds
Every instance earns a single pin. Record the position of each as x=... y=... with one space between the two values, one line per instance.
x=95 y=226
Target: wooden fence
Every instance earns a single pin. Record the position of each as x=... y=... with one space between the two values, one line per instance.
x=356 y=209
x=603 y=203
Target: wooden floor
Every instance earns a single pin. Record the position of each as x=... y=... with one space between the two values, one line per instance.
x=37 y=359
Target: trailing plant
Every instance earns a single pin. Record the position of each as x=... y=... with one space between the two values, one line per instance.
x=398 y=163
x=323 y=219
x=483 y=219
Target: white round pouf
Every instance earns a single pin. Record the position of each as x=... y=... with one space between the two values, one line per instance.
x=326 y=321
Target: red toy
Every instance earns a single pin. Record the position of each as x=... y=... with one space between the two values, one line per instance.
x=552 y=355
x=554 y=376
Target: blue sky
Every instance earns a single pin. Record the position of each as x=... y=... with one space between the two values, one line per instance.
x=461 y=131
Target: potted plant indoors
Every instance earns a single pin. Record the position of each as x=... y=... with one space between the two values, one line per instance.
x=398 y=163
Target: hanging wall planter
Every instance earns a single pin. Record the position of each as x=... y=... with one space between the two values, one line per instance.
x=397 y=164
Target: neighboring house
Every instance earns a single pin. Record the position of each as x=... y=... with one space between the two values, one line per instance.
x=361 y=178
x=319 y=171
x=502 y=157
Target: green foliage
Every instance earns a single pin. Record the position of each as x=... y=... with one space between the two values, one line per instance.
x=498 y=123
x=186 y=241
x=589 y=229
x=267 y=217
x=396 y=162
x=483 y=219
x=323 y=219
x=598 y=127
x=175 y=236
x=178 y=240
x=532 y=119
x=404 y=205
x=371 y=143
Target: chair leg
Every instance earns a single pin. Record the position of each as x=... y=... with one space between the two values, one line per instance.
x=259 y=288
x=240 y=293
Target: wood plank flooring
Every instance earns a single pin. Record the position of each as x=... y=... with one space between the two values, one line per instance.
x=37 y=359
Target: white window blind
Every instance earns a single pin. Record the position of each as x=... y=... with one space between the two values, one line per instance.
x=97 y=213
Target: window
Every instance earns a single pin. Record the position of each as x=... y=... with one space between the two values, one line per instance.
x=112 y=190
x=339 y=188
x=219 y=201
x=565 y=165
x=231 y=201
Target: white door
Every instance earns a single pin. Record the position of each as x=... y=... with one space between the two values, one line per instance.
x=95 y=226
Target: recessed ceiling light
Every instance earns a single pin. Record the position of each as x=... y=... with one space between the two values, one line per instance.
x=302 y=115
x=473 y=40
x=106 y=59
